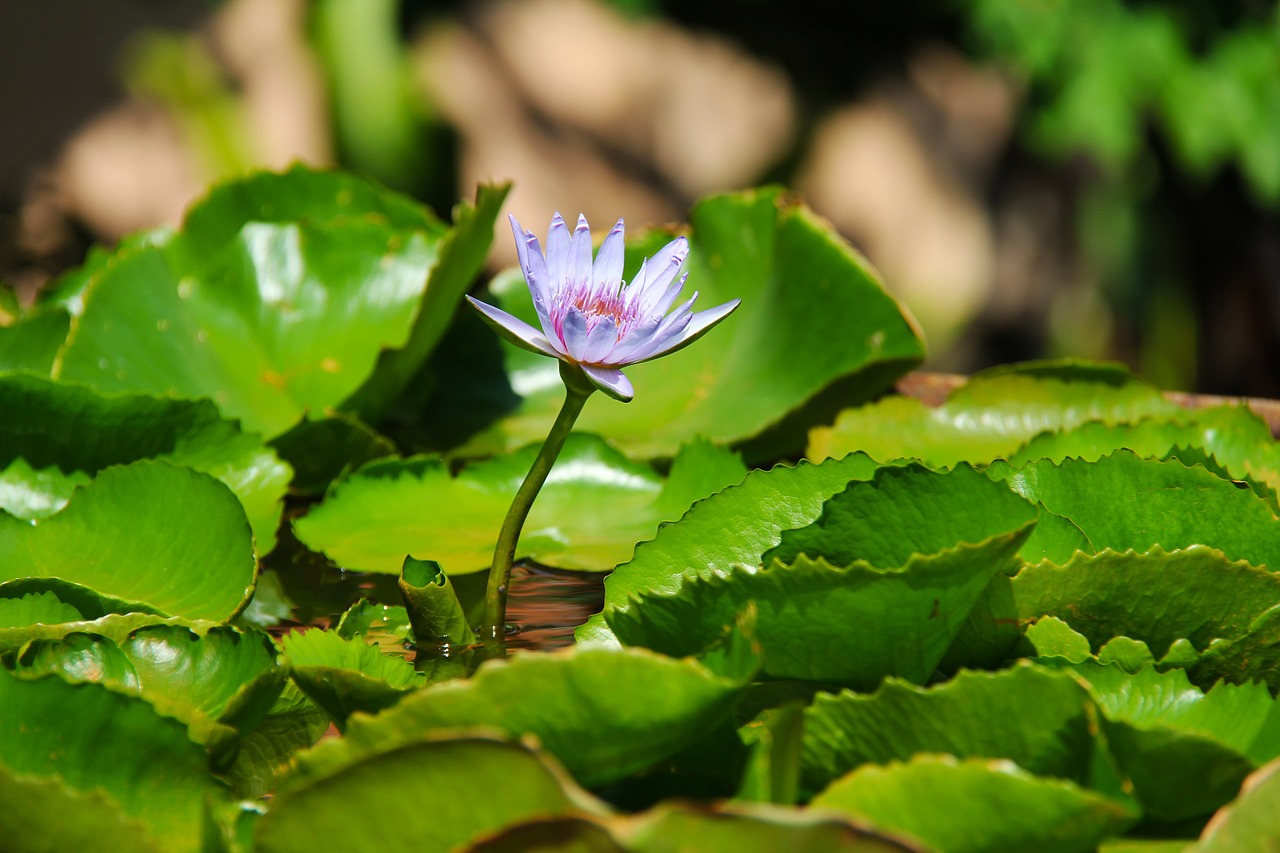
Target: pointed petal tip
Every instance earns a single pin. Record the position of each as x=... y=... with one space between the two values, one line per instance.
x=611 y=381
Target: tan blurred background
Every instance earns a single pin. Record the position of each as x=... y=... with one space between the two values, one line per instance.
x=1025 y=197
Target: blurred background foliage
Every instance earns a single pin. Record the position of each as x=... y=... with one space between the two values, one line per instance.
x=1032 y=177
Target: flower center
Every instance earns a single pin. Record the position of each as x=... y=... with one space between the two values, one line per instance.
x=594 y=307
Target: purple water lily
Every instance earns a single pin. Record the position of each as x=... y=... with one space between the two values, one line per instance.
x=593 y=319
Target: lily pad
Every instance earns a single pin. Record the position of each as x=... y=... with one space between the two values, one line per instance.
x=1251 y=823
x=45 y=815
x=346 y=809
x=735 y=828
x=976 y=805
x=975 y=715
x=266 y=305
x=44 y=424
x=371 y=519
x=31 y=493
x=906 y=511
x=870 y=623
x=221 y=682
x=171 y=538
x=1124 y=502
x=1187 y=752
x=343 y=676
x=31 y=342
x=801 y=287
x=1233 y=442
x=603 y=713
x=993 y=414
x=1196 y=597
x=33 y=608
x=95 y=739
x=757 y=511
x=912 y=551
x=727 y=828
x=293 y=724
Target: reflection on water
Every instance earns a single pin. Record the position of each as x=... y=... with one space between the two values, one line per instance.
x=547 y=605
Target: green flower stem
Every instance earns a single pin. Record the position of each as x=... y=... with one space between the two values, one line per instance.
x=577 y=390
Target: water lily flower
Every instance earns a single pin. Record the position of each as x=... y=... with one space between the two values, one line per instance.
x=590 y=317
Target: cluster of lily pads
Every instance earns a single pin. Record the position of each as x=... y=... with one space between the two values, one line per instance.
x=245 y=464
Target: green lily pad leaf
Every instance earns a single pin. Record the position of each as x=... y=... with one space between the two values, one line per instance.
x=976 y=805
x=735 y=828
x=88 y=603
x=371 y=519
x=346 y=808
x=281 y=321
x=1187 y=752
x=293 y=724
x=728 y=828
x=1124 y=502
x=80 y=657
x=1194 y=603
x=382 y=624
x=917 y=547
x=45 y=815
x=343 y=676
x=869 y=622
x=298 y=194
x=1251 y=823
x=113 y=626
x=603 y=713
x=991 y=415
x=801 y=287
x=93 y=738
x=171 y=538
x=31 y=493
x=320 y=451
x=846 y=730
x=757 y=511
x=35 y=608
x=571 y=834
x=268 y=306
x=462 y=253
x=1050 y=637
x=31 y=342
x=221 y=682
x=903 y=512
x=45 y=424
x=1128 y=654
x=1233 y=442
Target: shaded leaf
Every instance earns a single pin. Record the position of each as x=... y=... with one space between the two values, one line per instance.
x=46 y=424
x=93 y=738
x=975 y=715
x=600 y=712
x=1251 y=823
x=44 y=815
x=870 y=623
x=976 y=805
x=346 y=808
x=1187 y=752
